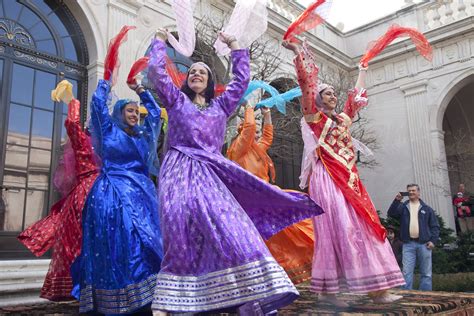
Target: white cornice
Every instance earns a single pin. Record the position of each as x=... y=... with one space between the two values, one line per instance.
x=414 y=87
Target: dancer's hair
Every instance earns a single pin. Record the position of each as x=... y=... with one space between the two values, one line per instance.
x=319 y=98
x=208 y=92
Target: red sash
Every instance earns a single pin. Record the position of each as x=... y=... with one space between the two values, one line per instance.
x=337 y=154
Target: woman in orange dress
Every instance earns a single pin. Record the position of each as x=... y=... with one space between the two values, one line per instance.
x=292 y=247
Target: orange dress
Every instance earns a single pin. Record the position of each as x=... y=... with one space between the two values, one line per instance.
x=292 y=247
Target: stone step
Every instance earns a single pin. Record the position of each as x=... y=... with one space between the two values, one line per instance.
x=12 y=277
x=24 y=299
x=21 y=281
x=20 y=265
x=9 y=289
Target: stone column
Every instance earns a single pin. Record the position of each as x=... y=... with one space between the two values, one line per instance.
x=420 y=141
x=445 y=207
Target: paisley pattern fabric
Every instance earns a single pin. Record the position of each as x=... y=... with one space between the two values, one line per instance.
x=122 y=246
x=213 y=212
x=61 y=229
x=351 y=249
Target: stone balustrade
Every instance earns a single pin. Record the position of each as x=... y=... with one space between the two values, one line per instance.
x=440 y=13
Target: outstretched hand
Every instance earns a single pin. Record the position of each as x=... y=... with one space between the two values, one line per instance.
x=398 y=197
x=229 y=40
x=265 y=110
x=363 y=67
x=161 y=34
x=295 y=47
x=133 y=85
x=63 y=92
x=136 y=86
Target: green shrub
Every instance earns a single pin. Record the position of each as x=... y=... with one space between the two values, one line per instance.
x=457 y=259
x=451 y=282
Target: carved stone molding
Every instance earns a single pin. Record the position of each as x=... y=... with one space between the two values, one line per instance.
x=126 y=7
x=401 y=69
x=98 y=2
x=145 y=16
x=137 y=4
x=35 y=59
x=73 y=70
x=415 y=87
x=464 y=50
x=12 y=31
x=378 y=76
x=450 y=53
x=423 y=64
x=439 y=134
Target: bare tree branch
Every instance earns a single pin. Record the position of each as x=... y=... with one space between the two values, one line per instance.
x=265 y=59
x=459 y=161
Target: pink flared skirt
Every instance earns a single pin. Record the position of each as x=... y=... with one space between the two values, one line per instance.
x=347 y=255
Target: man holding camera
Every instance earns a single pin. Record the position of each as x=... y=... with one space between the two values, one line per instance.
x=419 y=232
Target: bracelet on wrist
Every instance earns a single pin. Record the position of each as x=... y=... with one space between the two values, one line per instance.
x=362 y=68
x=139 y=87
x=230 y=41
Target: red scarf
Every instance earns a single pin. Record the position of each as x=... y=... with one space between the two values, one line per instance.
x=337 y=154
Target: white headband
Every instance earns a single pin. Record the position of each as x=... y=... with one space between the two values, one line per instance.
x=200 y=63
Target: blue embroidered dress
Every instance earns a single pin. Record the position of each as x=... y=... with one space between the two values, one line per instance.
x=122 y=246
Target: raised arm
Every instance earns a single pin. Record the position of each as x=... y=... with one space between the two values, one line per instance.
x=153 y=129
x=153 y=119
x=100 y=118
x=234 y=91
x=360 y=83
x=80 y=142
x=73 y=125
x=162 y=83
x=357 y=98
x=63 y=92
x=244 y=140
x=265 y=142
x=307 y=74
x=154 y=111
x=396 y=208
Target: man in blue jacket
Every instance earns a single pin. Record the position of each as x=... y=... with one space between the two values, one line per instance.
x=419 y=232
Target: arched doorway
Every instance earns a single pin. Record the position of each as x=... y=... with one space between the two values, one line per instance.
x=458 y=126
x=40 y=44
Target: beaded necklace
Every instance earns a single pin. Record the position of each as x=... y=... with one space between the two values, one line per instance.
x=202 y=107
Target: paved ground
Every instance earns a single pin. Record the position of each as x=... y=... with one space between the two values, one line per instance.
x=413 y=303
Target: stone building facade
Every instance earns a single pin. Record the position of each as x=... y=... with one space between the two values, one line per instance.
x=418 y=109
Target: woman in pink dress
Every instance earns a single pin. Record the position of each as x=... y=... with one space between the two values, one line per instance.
x=62 y=228
x=351 y=249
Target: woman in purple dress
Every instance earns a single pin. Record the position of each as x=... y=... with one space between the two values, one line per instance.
x=213 y=212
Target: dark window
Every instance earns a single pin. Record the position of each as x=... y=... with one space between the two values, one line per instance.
x=40 y=44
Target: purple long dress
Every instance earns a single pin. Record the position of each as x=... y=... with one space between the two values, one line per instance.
x=213 y=212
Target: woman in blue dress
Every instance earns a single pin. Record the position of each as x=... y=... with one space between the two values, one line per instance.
x=122 y=246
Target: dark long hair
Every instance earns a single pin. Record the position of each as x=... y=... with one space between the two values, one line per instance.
x=208 y=92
